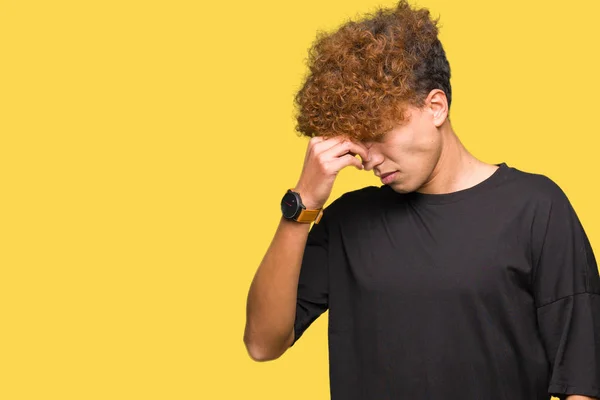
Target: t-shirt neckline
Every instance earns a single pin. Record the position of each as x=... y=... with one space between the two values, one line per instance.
x=429 y=198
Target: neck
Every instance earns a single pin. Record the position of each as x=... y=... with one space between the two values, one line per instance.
x=456 y=169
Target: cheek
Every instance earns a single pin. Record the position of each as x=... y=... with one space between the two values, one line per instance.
x=420 y=163
x=429 y=149
x=429 y=143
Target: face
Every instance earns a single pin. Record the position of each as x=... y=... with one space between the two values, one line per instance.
x=405 y=157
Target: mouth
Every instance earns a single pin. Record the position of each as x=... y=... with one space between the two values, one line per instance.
x=388 y=177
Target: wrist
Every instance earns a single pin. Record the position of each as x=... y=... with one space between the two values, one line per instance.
x=307 y=200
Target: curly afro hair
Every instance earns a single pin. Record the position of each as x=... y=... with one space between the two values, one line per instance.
x=362 y=76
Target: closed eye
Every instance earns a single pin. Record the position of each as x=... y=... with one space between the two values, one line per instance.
x=380 y=138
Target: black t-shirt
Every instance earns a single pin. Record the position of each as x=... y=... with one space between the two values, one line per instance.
x=487 y=293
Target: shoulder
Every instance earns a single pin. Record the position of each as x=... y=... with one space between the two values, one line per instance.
x=536 y=187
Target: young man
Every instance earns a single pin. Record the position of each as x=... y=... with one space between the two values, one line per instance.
x=456 y=279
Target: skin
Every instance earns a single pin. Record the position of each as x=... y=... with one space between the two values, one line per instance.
x=426 y=152
x=271 y=304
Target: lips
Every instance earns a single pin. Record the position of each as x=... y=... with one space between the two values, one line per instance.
x=388 y=177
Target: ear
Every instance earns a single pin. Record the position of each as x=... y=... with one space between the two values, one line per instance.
x=437 y=104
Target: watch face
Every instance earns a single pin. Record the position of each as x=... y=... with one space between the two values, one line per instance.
x=289 y=205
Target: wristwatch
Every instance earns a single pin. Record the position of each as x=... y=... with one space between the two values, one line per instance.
x=293 y=209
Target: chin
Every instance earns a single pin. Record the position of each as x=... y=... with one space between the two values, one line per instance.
x=400 y=188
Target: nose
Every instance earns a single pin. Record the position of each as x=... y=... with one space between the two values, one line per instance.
x=374 y=160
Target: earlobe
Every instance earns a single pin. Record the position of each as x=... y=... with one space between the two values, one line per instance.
x=437 y=105
x=438 y=116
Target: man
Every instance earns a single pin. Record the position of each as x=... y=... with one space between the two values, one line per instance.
x=456 y=279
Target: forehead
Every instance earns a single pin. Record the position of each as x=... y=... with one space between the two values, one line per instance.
x=397 y=128
x=401 y=131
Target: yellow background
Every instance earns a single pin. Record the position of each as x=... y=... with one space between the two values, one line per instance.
x=145 y=146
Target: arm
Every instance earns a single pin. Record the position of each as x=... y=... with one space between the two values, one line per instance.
x=273 y=295
x=566 y=288
x=271 y=305
x=577 y=397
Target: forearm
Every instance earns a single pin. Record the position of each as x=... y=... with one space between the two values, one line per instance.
x=271 y=303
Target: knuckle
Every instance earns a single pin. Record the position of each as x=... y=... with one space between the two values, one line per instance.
x=323 y=166
x=350 y=159
x=313 y=141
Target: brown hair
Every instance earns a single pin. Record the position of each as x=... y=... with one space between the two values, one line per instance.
x=362 y=76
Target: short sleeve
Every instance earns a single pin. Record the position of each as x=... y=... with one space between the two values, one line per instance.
x=313 y=282
x=566 y=287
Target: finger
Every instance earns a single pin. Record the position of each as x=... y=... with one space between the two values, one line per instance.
x=368 y=165
x=341 y=162
x=360 y=149
x=316 y=139
x=327 y=144
x=312 y=142
x=345 y=147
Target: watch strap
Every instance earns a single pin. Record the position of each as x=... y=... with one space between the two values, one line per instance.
x=307 y=216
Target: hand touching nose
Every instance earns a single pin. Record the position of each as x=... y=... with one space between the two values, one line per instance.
x=323 y=160
x=369 y=163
